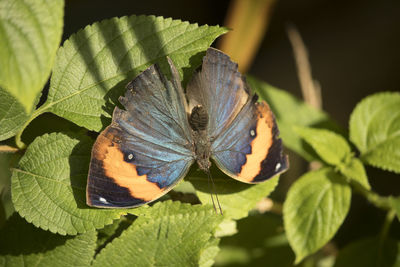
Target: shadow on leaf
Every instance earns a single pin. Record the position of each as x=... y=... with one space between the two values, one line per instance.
x=223 y=184
x=18 y=238
x=79 y=167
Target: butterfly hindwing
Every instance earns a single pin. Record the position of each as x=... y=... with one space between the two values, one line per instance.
x=147 y=148
x=249 y=150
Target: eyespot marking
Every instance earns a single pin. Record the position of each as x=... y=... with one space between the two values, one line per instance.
x=129 y=157
x=252 y=133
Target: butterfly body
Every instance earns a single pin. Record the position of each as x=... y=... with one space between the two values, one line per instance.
x=151 y=144
x=198 y=121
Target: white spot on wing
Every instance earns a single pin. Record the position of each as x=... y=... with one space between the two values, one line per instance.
x=103 y=200
x=278 y=166
x=130 y=156
x=252 y=133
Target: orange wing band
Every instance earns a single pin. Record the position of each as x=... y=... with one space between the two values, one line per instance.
x=123 y=173
x=260 y=144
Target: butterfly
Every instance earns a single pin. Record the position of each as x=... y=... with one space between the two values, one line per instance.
x=151 y=144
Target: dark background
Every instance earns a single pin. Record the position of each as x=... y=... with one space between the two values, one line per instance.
x=353 y=48
x=353 y=45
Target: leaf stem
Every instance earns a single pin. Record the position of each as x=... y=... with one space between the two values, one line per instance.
x=8 y=149
x=34 y=115
x=384 y=233
x=375 y=199
x=386 y=225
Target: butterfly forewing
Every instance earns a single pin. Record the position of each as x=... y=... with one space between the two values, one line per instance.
x=218 y=87
x=147 y=148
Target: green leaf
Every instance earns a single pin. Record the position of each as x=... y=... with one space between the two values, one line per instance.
x=49 y=186
x=226 y=228
x=334 y=149
x=7 y=161
x=12 y=115
x=185 y=188
x=111 y=231
x=354 y=170
x=331 y=147
x=208 y=254
x=260 y=241
x=368 y=252
x=168 y=234
x=395 y=203
x=94 y=65
x=289 y=112
x=236 y=198
x=375 y=130
x=233 y=256
x=30 y=32
x=315 y=207
x=22 y=244
x=48 y=123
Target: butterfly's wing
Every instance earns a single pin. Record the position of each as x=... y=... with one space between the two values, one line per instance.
x=243 y=132
x=219 y=87
x=147 y=148
x=249 y=149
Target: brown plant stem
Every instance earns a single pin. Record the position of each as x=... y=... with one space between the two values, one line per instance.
x=309 y=87
x=249 y=21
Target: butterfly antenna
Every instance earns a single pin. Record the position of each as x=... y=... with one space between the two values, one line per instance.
x=209 y=189
x=213 y=191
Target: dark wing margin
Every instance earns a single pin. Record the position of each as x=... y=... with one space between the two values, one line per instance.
x=147 y=149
